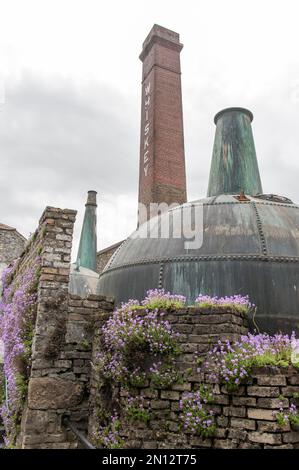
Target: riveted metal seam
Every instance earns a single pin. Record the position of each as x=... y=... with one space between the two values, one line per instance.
x=161 y=272
x=229 y=257
x=260 y=229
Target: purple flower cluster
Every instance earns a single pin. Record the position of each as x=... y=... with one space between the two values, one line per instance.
x=159 y=298
x=164 y=375
x=236 y=302
x=230 y=364
x=284 y=416
x=138 y=409
x=17 y=317
x=109 y=436
x=195 y=415
x=126 y=333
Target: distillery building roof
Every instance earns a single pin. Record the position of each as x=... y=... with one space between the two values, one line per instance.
x=7 y=228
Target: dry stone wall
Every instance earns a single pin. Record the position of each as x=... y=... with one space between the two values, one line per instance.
x=244 y=419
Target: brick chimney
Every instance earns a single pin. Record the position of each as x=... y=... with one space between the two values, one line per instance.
x=162 y=177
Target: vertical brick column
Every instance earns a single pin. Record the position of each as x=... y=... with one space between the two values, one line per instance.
x=162 y=176
x=49 y=389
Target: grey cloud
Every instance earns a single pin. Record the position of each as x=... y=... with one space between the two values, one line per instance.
x=58 y=140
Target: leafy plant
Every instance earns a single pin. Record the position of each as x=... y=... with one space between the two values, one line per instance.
x=160 y=299
x=230 y=364
x=195 y=415
x=237 y=303
x=108 y=436
x=130 y=339
x=284 y=416
x=164 y=375
x=135 y=409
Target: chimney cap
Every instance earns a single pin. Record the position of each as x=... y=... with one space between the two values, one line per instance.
x=91 y=198
x=236 y=109
x=163 y=36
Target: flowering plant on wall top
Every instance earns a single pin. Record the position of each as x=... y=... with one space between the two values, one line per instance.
x=231 y=363
x=159 y=298
x=17 y=319
x=237 y=303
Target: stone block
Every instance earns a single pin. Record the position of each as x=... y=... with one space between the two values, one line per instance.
x=197 y=441
x=160 y=404
x=291 y=437
x=263 y=391
x=259 y=413
x=289 y=391
x=170 y=395
x=223 y=444
x=239 y=434
x=149 y=393
x=53 y=393
x=271 y=380
x=239 y=423
x=294 y=379
x=244 y=401
x=268 y=426
x=272 y=403
x=236 y=411
x=264 y=438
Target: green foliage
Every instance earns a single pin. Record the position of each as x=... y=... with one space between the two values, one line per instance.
x=196 y=417
x=282 y=419
x=137 y=413
x=137 y=378
x=163 y=304
x=164 y=375
x=85 y=344
x=108 y=436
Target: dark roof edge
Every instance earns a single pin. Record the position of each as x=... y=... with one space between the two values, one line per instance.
x=11 y=229
x=115 y=245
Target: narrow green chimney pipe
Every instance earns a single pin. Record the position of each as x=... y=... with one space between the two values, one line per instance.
x=87 y=253
x=234 y=166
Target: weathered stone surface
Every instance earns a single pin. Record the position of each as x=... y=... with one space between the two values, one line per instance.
x=259 y=413
x=272 y=403
x=249 y=424
x=241 y=401
x=263 y=391
x=271 y=380
x=238 y=411
x=170 y=395
x=291 y=437
x=289 y=391
x=264 y=438
x=51 y=393
x=267 y=426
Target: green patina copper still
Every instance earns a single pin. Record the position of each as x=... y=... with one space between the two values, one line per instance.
x=234 y=166
x=87 y=252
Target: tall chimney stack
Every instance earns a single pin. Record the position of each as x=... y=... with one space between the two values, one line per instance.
x=162 y=177
x=87 y=252
x=234 y=166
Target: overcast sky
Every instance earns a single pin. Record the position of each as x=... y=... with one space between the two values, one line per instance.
x=70 y=99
